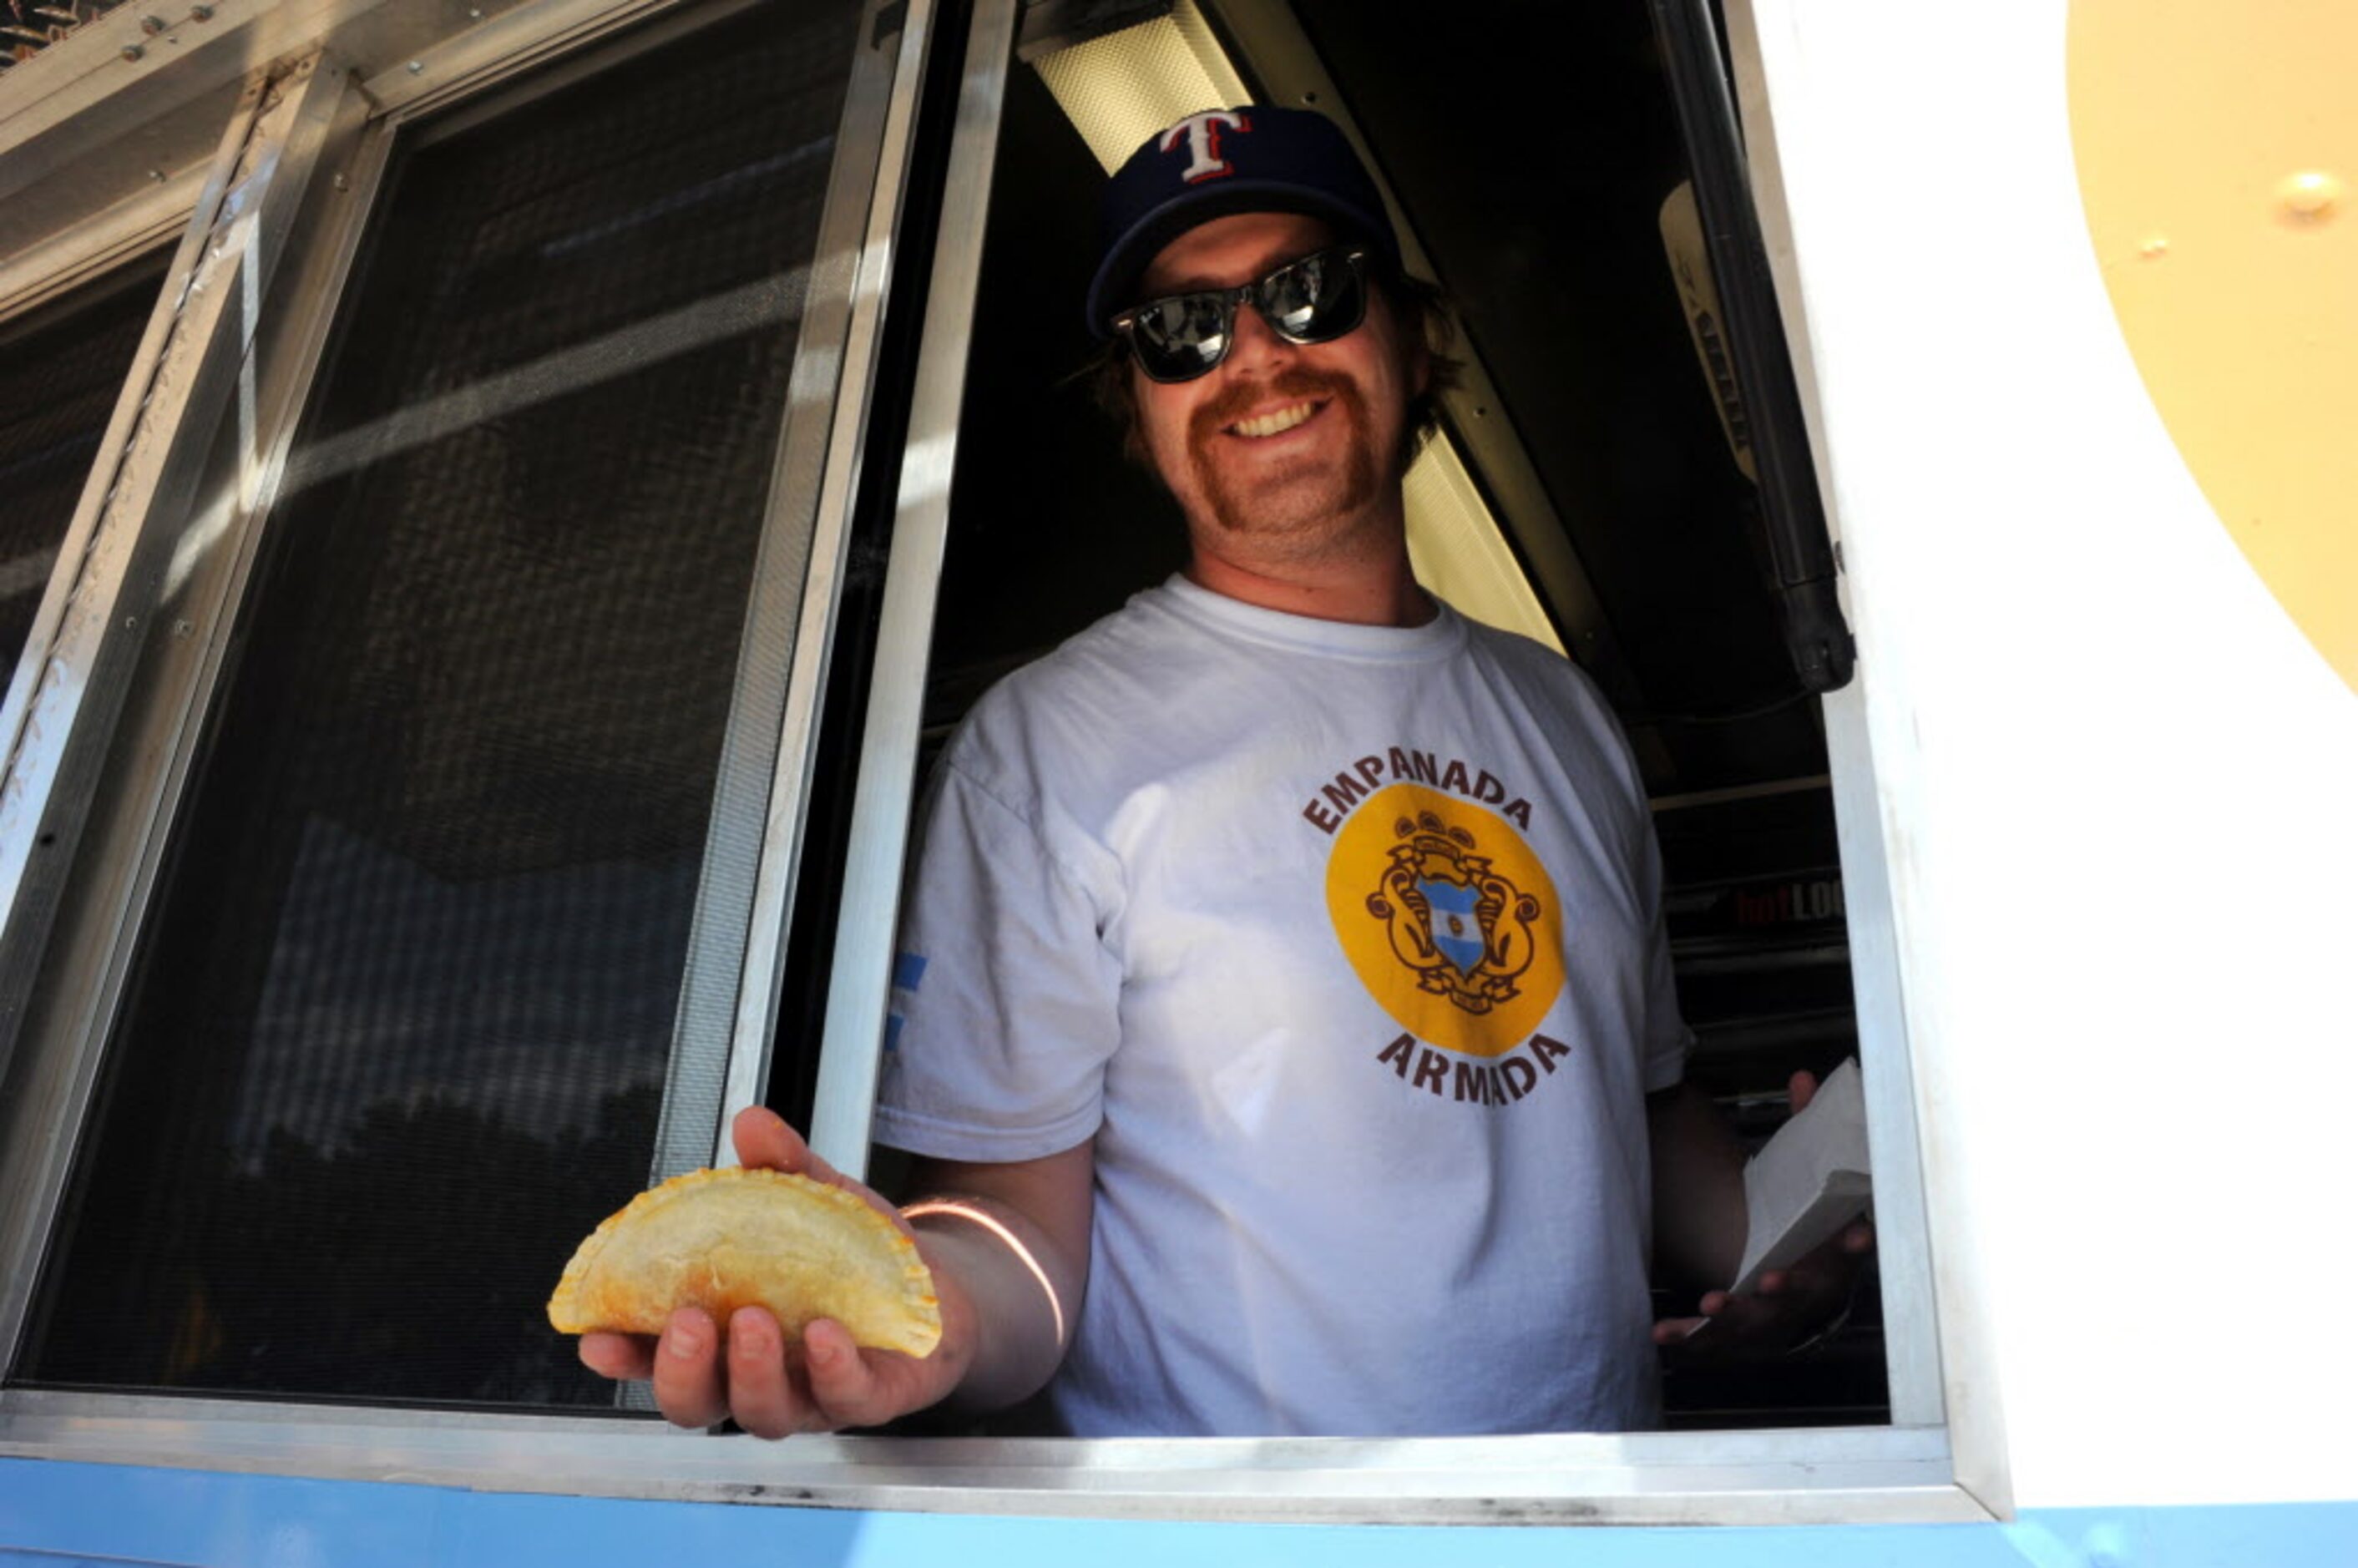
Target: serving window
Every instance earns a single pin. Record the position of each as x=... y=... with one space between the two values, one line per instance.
x=648 y=448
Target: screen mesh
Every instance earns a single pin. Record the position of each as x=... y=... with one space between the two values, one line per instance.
x=396 y=1036
x=60 y=374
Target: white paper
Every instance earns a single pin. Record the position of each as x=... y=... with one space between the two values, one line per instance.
x=1809 y=1180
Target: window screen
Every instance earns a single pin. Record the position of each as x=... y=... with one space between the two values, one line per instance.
x=59 y=376
x=395 y=1035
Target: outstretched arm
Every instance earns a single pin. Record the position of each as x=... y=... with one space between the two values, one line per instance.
x=1009 y=1247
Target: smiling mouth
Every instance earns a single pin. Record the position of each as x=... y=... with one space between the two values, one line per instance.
x=1275 y=423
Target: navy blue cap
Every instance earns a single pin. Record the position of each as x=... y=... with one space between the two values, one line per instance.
x=1254 y=159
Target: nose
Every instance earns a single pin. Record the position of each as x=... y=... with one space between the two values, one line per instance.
x=1254 y=348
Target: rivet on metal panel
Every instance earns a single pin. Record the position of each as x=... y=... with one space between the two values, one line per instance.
x=201 y=13
x=151 y=26
x=415 y=66
x=133 y=51
x=157 y=175
x=2310 y=196
x=342 y=183
x=182 y=628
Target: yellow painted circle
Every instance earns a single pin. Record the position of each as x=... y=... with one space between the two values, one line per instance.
x=1448 y=919
x=2214 y=145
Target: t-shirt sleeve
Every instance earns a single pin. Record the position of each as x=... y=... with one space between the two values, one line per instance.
x=1006 y=999
x=1664 y=1039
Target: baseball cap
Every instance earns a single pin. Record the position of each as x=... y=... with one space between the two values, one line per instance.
x=1258 y=158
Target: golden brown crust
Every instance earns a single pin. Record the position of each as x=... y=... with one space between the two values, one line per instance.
x=723 y=1239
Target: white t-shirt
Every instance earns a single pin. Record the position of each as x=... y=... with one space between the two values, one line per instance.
x=1344 y=943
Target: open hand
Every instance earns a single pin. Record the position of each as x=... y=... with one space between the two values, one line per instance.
x=772 y=1384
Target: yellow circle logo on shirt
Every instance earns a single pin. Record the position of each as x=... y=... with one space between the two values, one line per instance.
x=1448 y=919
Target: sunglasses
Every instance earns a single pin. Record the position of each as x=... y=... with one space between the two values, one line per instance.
x=1314 y=300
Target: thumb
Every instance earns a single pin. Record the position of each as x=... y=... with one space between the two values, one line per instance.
x=1804 y=1087
x=763 y=1140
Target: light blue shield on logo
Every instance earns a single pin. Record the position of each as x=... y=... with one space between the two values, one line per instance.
x=1450 y=919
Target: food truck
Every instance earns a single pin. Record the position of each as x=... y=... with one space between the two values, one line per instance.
x=502 y=501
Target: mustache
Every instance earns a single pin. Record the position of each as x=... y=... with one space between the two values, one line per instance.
x=1296 y=382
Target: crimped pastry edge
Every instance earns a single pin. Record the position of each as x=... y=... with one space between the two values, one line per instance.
x=917 y=1281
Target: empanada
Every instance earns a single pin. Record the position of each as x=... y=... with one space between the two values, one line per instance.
x=723 y=1239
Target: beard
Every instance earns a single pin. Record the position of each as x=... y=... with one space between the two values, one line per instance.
x=1308 y=500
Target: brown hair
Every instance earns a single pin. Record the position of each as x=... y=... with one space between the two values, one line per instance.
x=1418 y=305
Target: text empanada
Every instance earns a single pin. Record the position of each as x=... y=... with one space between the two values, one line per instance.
x=723 y=1239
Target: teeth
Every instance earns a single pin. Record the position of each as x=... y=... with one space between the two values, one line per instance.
x=1270 y=424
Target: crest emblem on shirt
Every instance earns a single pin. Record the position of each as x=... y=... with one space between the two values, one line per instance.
x=1447 y=916
x=1453 y=917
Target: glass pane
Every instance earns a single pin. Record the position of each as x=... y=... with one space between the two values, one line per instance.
x=396 y=1036
x=59 y=376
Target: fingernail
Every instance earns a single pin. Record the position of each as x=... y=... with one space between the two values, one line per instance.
x=684 y=1343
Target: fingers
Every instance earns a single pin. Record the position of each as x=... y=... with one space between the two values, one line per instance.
x=761 y=1391
x=618 y=1355
x=1677 y=1330
x=1804 y=1088
x=849 y=1386
x=703 y=1376
x=689 y=1378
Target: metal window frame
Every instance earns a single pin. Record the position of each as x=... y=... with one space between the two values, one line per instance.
x=155 y=482
x=1811 y=1476
x=1936 y=1324
x=48 y=279
x=1906 y=1472
x=90 y=250
x=836 y=450
x=860 y=986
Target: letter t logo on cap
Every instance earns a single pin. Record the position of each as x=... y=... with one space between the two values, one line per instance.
x=1203 y=135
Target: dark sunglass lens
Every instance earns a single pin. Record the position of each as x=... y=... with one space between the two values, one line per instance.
x=1180 y=337
x=1317 y=299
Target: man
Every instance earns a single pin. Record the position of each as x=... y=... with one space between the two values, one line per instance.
x=1287 y=1024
